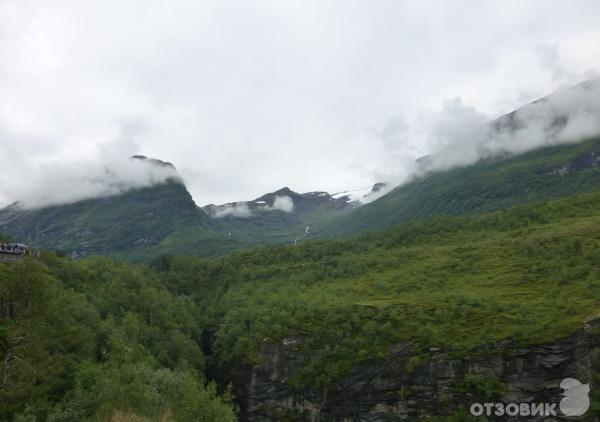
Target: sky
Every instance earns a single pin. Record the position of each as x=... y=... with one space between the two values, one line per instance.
x=249 y=96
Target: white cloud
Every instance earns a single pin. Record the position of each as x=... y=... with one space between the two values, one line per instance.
x=549 y=59
x=56 y=183
x=282 y=203
x=240 y=210
x=109 y=171
x=247 y=97
x=459 y=135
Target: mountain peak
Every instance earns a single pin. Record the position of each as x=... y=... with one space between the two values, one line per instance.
x=285 y=191
x=154 y=161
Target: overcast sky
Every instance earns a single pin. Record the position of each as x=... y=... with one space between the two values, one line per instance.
x=245 y=97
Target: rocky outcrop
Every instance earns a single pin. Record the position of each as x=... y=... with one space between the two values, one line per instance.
x=579 y=163
x=406 y=386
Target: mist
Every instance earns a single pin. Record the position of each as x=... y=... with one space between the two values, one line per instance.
x=62 y=183
x=241 y=209
x=460 y=135
x=234 y=210
x=281 y=203
x=247 y=98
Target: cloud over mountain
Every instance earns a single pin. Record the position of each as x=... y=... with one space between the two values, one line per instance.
x=62 y=183
x=461 y=135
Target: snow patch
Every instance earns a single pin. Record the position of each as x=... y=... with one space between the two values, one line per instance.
x=358 y=195
x=362 y=196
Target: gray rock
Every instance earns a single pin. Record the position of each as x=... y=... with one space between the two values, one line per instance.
x=385 y=390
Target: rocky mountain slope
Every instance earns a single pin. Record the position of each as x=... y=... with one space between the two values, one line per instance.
x=397 y=389
x=285 y=216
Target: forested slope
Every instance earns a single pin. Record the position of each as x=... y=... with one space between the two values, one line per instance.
x=91 y=339
x=529 y=274
x=98 y=341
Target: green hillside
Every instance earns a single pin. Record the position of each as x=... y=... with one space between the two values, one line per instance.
x=488 y=185
x=142 y=224
x=218 y=236
x=109 y=340
x=113 y=225
x=529 y=274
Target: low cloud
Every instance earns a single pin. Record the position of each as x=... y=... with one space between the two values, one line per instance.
x=242 y=210
x=71 y=71
x=455 y=133
x=460 y=135
x=238 y=210
x=56 y=183
x=281 y=203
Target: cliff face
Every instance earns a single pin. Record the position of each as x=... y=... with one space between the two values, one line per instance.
x=408 y=387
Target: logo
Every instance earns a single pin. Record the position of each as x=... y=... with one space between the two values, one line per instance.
x=575 y=401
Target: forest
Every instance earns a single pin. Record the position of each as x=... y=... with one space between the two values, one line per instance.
x=104 y=340
x=99 y=340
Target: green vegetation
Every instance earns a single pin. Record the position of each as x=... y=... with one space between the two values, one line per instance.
x=96 y=340
x=110 y=226
x=142 y=224
x=529 y=273
x=458 y=416
x=486 y=186
x=101 y=340
x=483 y=387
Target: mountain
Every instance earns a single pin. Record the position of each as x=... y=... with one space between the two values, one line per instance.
x=137 y=224
x=365 y=195
x=418 y=320
x=565 y=121
x=163 y=219
x=110 y=225
x=488 y=185
x=283 y=216
x=143 y=223
x=491 y=298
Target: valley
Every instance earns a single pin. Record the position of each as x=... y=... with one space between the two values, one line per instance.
x=469 y=284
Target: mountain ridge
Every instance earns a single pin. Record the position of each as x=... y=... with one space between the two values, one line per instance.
x=143 y=223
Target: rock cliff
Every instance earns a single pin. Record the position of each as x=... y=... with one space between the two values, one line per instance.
x=406 y=386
